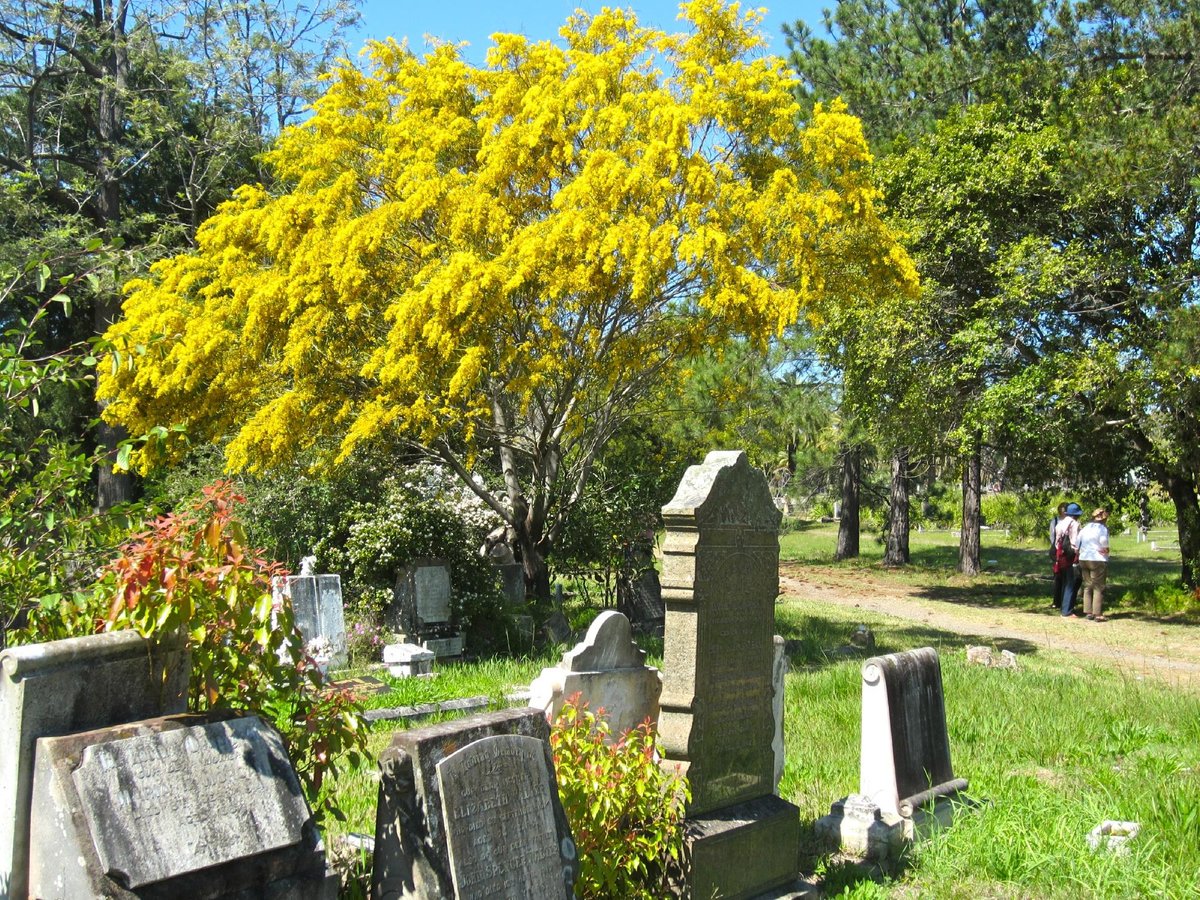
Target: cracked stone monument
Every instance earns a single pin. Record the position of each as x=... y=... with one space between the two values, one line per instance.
x=720 y=583
x=608 y=670
x=470 y=810
x=67 y=686
x=201 y=806
x=318 y=611
x=420 y=612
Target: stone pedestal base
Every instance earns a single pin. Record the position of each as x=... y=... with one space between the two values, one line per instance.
x=857 y=825
x=742 y=851
x=441 y=646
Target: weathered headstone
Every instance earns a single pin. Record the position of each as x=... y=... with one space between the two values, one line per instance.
x=421 y=611
x=720 y=583
x=905 y=751
x=317 y=607
x=426 y=813
x=184 y=806
x=498 y=798
x=905 y=775
x=639 y=595
x=556 y=629
x=608 y=670
x=422 y=598
x=67 y=686
x=512 y=583
x=779 y=670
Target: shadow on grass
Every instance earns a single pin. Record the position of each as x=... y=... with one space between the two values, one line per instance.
x=815 y=642
x=836 y=873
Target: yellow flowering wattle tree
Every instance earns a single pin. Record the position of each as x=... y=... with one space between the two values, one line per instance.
x=506 y=260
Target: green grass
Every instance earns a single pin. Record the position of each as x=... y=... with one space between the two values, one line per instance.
x=1050 y=749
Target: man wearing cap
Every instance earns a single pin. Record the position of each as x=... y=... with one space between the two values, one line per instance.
x=1066 y=540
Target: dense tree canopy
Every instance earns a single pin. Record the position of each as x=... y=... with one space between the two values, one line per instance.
x=1055 y=224
x=507 y=259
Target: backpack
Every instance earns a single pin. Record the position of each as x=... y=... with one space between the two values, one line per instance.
x=1064 y=555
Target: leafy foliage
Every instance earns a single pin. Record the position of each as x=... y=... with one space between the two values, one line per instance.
x=507 y=259
x=51 y=540
x=192 y=572
x=417 y=514
x=625 y=810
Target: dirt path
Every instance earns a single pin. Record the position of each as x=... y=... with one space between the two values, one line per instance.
x=1141 y=647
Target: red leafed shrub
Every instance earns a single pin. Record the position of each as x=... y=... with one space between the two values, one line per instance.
x=191 y=572
x=626 y=811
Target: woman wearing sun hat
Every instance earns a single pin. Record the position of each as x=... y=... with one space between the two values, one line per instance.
x=1093 y=561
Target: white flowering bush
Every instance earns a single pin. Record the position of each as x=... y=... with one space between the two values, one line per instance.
x=423 y=512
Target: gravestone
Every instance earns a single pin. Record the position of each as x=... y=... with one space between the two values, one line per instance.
x=199 y=806
x=318 y=611
x=779 y=670
x=480 y=820
x=905 y=781
x=503 y=841
x=512 y=583
x=421 y=611
x=609 y=671
x=639 y=594
x=66 y=686
x=905 y=750
x=720 y=583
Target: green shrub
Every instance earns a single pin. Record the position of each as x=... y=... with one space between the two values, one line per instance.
x=365 y=640
x=625 y=810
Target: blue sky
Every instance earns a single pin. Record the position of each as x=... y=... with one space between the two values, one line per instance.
x=475 y=20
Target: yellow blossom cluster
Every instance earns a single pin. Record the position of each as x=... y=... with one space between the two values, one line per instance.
x=463 y=252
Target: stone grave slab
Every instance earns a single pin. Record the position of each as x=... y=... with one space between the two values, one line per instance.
x=421 y=600
x=498 y=798
x=608 y=670
x=363 y=686
x=60 y=687
x=718 y=722
x=412 y=847
x=318 y=611
x=408 y=660
x=905 y=749
x=188 y=806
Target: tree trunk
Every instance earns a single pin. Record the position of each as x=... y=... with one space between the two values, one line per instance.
x=848 y=528
x=897 y=553
x=968 y=540
x=531 y=548
x=1187 y=517
x=112 y=487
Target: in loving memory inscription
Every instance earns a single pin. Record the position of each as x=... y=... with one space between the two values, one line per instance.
x=500 y=827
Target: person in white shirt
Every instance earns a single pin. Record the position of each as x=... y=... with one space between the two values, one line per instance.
x=1093 y=561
